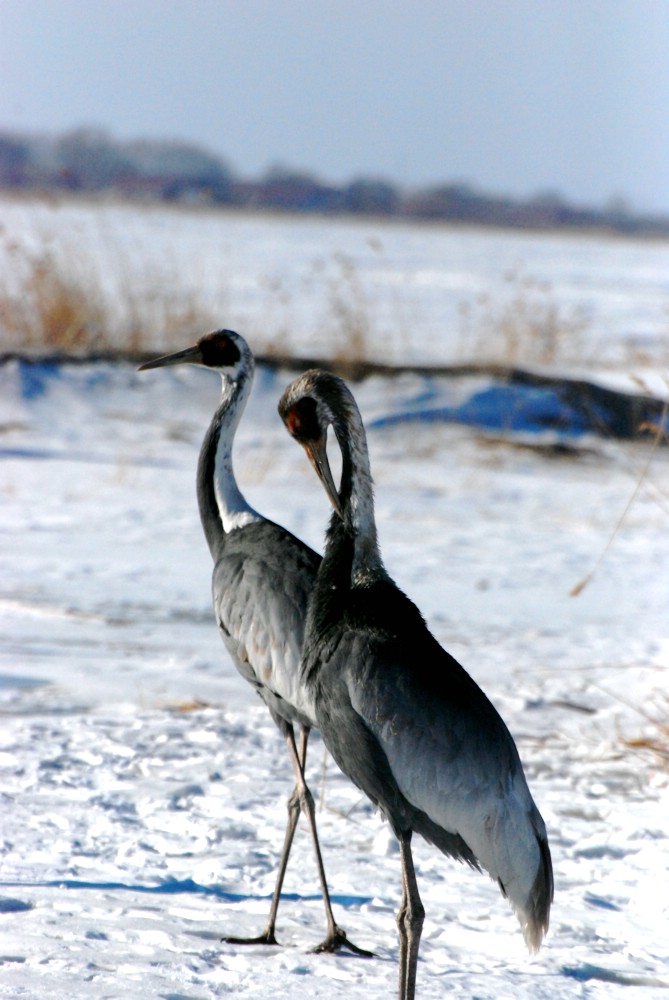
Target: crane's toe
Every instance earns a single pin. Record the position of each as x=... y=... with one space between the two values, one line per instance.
x=267 y=937
x=337 y=941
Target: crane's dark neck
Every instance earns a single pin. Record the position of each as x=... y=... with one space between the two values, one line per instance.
x=356 y=495
x=223 y=508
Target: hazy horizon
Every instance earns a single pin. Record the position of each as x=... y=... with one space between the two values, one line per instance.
x=564 y=97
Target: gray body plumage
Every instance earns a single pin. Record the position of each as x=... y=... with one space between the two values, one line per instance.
x=262 y=579
x=401 y=717
x=261 y=584
x=263 y=575
x=412 y=729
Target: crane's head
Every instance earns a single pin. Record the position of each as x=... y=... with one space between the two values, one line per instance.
x=223 y=351
x=308 y=406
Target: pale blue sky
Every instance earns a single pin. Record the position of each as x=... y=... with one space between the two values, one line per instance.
x=513 y=96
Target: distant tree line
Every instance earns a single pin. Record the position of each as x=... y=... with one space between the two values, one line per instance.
x=89 y=160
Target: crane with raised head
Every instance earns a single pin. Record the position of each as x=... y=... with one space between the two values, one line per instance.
x=401 y=717
x=262 y=579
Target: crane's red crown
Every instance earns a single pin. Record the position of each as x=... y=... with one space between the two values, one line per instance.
x=302 y=420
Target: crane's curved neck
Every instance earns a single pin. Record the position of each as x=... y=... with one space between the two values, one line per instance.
x=223 y=508
x=356 y=495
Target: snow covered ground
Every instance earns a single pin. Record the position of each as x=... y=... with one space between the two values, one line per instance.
x=143 y=785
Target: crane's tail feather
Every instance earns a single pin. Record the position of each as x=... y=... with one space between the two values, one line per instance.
x=450 y=844
x=534 y=914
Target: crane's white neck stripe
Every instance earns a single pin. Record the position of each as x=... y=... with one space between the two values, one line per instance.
x=233 y=509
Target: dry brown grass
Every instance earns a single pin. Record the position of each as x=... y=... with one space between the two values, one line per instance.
x=51 y=302
x=345 y=332
x=656 y=740
x=349 y=311
x=653 y=740
x=54 y=312
x=61 y=309
x=657 y=745
x=659 y=434
x=525 y=326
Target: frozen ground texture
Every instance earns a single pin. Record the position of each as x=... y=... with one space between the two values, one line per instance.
x=143 y=786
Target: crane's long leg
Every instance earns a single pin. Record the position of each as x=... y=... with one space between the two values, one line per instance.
x=409 y=922
x=294 y=808
x=301 y=800
x=336 y=937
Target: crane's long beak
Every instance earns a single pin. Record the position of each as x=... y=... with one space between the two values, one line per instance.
x=192 y=356
x=318 y=456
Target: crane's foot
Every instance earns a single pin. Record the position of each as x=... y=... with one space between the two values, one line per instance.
x=337 y=941
x=267 y=937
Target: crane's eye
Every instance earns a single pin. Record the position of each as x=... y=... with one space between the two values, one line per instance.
x=302 y=420
x=219 y=350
